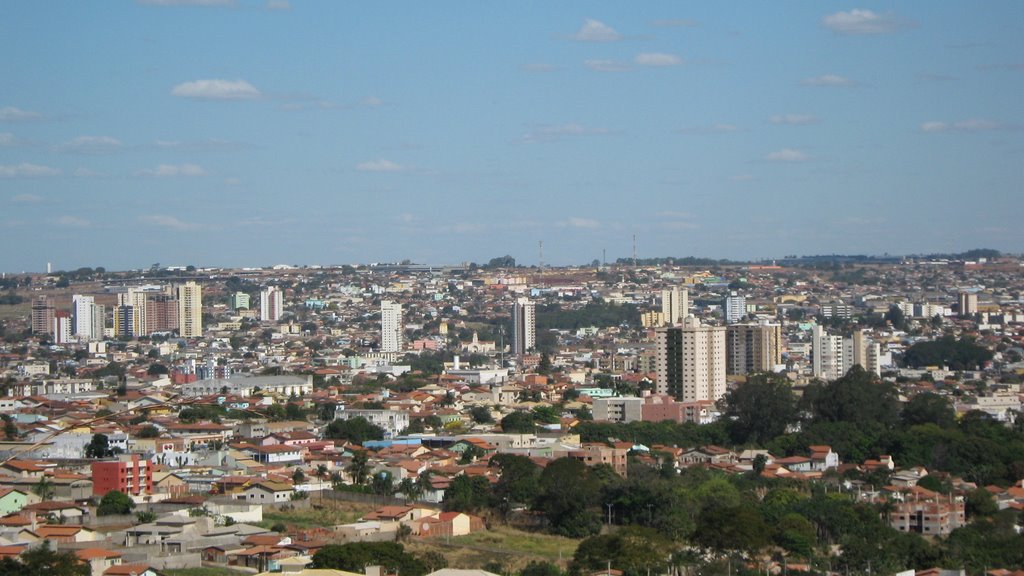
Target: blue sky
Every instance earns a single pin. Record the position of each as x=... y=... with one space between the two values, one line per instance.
x=248 y=133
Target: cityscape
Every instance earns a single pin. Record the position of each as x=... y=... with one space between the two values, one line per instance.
x=292 y=288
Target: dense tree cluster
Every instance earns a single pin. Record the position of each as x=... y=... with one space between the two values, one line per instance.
x=955 y=354
x=356 y=556
x=598 y=313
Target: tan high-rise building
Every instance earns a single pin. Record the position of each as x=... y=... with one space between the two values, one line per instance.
x=753 y=347
x=190 y=310
x=691 y=361
x=675 y=305
x=968 y=303
x=866 y=352
x=136 y=299
x=42 y=315
x=161 y=314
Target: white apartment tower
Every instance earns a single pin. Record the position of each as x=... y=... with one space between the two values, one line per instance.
x=88 y=317
x=137 y=300
x=833 y=356
x=190 y=310
x=390 y=326
x=675 y=305
x=691 y=361
x=735 y=308
x=524 y=326
x=271 y=304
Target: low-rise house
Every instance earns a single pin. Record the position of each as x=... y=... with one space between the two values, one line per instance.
x=12 y=500
x=267 y=492
x=99 y=559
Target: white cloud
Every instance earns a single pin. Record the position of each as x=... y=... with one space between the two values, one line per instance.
x=575 y=222
x=857 y=22
x=794 y=119
x=278 y=5
x=596 y=31
x=26 y=199
x=26 y=170
x=216 y=89
x=606 y=65
x=188 y=2
x=786 y=155
x=969 y=125
x=7 y=139
x=657 y=59
x=828 y=80
x=91 y=145
x=12 y=114
x=173 y=170
x=73 y=222
x=558 y=132
x=233 y=181
x=380 y=165
x=372 y=101
x=165 y=221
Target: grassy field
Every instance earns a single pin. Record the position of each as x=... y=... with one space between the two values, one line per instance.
x=204 y=572
x=328 y=514
x=509 y=547
x=17 y=310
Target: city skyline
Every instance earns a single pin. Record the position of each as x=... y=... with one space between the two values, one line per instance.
x=249 y=133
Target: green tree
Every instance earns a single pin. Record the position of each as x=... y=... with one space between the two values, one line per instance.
x=635 y=550
x=357 y=430
x=115 y=502
x=355 y=556
x=929 y=408
x=44 y=561
x=518 y=423
x=481 y=414
x=760 y=409
x=568 y=493
x=99 y=447
x=359 y=468
x=467 y=494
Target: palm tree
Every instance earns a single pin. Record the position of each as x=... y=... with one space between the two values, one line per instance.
x=44 y=489
x=359 y=467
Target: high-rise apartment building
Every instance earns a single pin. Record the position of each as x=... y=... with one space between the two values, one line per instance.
x=190 y=310
x=691 y=361
x=124 y=321
x=390 y=326
x=62 y=327
x=239 y=301
x=161 y=313
x=524 y=326
x=829 y=359
x=866 y=352
x=89 y=317
x=832 y=356
x=271 y=304
x=135 y=299
x=968 y=303
x=675 y=305
x=735 y=308
x=42 y=315
x=753 y=347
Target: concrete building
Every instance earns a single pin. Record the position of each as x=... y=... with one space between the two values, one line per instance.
x=271 y=304
x=136 y=300
x=239 y=301
x=392 y=421
x=161 y=314
x=616 y=409
x=866 y=352
x=128 y=474
x=190 y=310
x=88 y=317
x=675 y=305
x=735 y=307
x=524 y=327
x=390 y=326
x=753 y=347
x=828 y=358
x=284 y=385
x=968 y=303
x=42 y=315
x=62 y=327
x=691 y=361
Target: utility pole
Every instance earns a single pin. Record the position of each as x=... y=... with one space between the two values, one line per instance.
x=634 y=251
x=540 y=264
